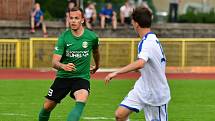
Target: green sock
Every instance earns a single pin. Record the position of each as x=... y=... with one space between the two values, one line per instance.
x=44 y=115
x=76 y=112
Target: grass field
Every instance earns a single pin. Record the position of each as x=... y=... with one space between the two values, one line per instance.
x=21 y=100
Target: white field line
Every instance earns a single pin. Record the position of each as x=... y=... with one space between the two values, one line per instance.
x=107 y=70
x=105 y=118
x=37 y=103
x=14 y=114
x=98 y=118
x=85 y=118
x=25 y=115
x=17 y=103
x=22 y=115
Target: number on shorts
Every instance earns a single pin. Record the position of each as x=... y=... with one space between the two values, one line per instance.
x=50 y=92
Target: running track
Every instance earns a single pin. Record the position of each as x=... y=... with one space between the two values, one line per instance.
x=37 y=74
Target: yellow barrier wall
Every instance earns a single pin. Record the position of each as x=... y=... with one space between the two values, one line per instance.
x=10 y=53
x=115 y=52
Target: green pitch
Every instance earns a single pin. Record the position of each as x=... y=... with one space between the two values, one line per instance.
x=21 y=101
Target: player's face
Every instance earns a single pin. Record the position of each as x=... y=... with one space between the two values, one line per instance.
x=75 y=19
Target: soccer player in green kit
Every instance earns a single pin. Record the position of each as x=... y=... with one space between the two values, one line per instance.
x=72 y=57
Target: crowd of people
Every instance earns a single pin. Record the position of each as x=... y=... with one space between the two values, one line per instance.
x=106 y=16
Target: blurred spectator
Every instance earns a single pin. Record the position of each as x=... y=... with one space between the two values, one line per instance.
x=107 y=15
x=74 y=1
x=150 y=5
x=37 y=20
x=142 y=3
x=173 y=10
x=71 y=4
x=90 y=15
x=125 y=13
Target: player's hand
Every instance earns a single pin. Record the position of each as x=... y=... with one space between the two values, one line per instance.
x=93 y=69
x=69 y=67
x=109 y=77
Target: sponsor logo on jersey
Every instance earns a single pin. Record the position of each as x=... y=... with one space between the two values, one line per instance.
x=84 y=44
x=68 y=45
x=56 y=48
x=77 y=54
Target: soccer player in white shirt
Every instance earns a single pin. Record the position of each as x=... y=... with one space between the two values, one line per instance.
x=151 y=92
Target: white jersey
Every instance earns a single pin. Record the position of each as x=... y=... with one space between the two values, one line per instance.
x=152 y=87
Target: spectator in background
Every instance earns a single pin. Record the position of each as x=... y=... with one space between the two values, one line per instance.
x=37 y=19
x=74 y=1
x=173 y=10
x=71 y=5
x=125 y=13
x=90 y=15
x=77 y=2
x=108 y=15
x=150 y=5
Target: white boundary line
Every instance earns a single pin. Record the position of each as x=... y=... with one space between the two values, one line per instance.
x=107 y=70
x=17 y=103
x=98 y=118
x=85 y=118
x=14 y=114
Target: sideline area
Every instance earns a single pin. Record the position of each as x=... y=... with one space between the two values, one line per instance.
x=12 y=74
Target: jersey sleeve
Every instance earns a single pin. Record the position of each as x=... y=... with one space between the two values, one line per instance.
x=143 y=52
x=59 y=47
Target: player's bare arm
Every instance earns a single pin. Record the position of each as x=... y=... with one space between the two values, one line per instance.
x=58 y=65
x=138 y=64
x=96 y=57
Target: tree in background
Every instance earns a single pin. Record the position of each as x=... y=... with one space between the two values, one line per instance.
x=53 y=9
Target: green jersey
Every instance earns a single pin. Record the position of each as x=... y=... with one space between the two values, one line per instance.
x=76 y=50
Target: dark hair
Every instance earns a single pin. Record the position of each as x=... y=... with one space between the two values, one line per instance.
x=77 y=9
x=142 y=16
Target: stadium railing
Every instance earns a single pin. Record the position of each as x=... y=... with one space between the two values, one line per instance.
x=115 y=52
x=10 y=53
